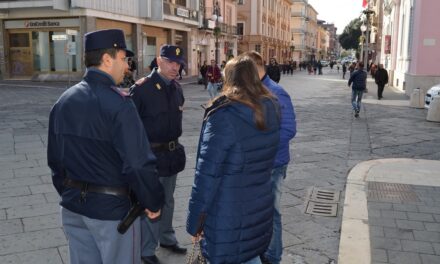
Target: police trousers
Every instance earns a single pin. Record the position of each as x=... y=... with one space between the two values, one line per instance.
x=97 y=241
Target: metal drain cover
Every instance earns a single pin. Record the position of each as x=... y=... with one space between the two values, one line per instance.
x=391 y=192
x=324 y=196
x=322 y=209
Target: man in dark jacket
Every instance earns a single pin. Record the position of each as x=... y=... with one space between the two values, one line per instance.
x=273 y=70
x=381 y=78
x=359 y=80
x=279 y=171
x=98 y=153
x=159 y=100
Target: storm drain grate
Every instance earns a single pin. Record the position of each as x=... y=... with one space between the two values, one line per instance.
x=322 y=209
x=322 y=202
x=391 y=192
x=324 y=196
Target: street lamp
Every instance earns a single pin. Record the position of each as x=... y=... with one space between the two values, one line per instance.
x=217 y=17
x=367 y=13
x=363 y=29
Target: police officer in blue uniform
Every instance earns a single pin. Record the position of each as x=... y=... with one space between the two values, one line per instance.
x=100 y=157
x=159 y=100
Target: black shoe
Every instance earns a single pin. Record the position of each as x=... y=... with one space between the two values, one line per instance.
x=150 y=260
x=356 y=114
x=175 y=248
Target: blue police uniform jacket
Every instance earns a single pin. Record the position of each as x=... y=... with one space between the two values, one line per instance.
x=160 y=107
x=288 y=121
x=96 y=136
x=359 y=80
x=231 y=199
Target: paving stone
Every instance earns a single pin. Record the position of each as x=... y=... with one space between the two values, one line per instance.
x=405 y=207
x=31 y=172
x=393 y=214
x=386 y=243
x=380 y=205
x=398 y=233
x=31 y=241
x=420 y=217
x=430 y=259
x=19 y=164
x=14 y=191
x=11 y=227
x=15 y=182
x=399 y=257
x=42 y=188
x=379 y=255
x=8 y=202
x=417 y=246
x=377 y=231
x=406 y=224
x=432 y=227
x=42 y=222
x=32 y=210
x=429 y=209
x=378 y=221
x=436 y=248
x=426 y=236
x=64 y=253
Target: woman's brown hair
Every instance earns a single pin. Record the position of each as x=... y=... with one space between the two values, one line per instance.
x=242 y=84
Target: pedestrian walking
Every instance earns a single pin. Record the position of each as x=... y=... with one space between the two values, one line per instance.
x=237 y=147
x=344 y=70
x=279 y=171
x=99 y=156
x=381 y=78
x=214 y=78
x=159 y=100
x=273 y=70
x=359 y=81
x=203 y=71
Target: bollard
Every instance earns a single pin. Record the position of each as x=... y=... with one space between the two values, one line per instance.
x=434 y=110
x=417 y=99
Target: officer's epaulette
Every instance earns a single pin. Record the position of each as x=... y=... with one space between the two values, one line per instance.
x=141 y=81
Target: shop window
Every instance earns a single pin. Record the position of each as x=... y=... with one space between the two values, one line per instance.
x=181 y=2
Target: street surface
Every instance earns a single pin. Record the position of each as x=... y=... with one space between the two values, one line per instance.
x=329 y=142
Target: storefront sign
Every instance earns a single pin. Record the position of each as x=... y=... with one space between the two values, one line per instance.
x=42 y=23
x=59 y=37
x=387 y=44
x=71 y=32
x=182 y=12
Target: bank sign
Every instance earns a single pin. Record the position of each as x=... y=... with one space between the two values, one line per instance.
x=42 y=23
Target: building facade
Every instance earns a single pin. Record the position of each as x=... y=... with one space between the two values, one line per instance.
x=304 y=26
x=43 y=40
x=264 y=26
x=217 y=36
x=411 y=43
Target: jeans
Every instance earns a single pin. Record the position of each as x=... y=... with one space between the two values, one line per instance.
x=356 y=98
x=275 y=250
x=255 y=260
x=212 y=89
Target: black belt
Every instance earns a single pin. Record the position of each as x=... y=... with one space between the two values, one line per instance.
x=86 y=187
x=167 y=146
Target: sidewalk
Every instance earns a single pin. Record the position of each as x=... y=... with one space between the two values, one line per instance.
x=392 y=213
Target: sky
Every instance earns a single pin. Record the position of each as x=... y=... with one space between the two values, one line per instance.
x=339 y=12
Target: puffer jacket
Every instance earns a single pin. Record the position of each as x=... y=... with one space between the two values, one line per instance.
x=288 y=121
x=359 y=80
x=231 y=199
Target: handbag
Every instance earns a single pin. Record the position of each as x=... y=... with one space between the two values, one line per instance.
x=195 y=256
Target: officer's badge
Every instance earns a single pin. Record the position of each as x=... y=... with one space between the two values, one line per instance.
x=177 y=52
x=158 y=86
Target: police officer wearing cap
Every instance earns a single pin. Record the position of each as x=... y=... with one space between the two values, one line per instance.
x=100 y=158
x=159 y=100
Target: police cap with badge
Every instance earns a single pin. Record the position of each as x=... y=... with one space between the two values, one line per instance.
x=106 y=39
x=172 y=53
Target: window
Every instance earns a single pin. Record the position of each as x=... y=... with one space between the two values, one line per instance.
x=258 y=48
x=181 y=2
x=19 y=40
x=240 y=29
x=241 y=2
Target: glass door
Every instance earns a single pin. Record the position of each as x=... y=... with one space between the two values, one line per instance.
x=20 y=53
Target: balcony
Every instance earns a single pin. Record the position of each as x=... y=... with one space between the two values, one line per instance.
x=209 y=24
x=298 y=30
x=180 y=11
x=298 y=14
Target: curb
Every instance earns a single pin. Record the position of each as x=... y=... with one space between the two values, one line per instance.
x=354 y=245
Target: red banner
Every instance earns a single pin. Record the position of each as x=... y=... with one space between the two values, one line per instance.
x=364 y=3
x=387 y=44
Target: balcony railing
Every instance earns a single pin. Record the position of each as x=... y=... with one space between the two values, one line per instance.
x=180 y=11
x=224 y=28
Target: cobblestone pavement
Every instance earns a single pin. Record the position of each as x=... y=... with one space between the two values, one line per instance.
x=329 y=142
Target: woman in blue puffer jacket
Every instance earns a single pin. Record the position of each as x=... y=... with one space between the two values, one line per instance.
x=231 y=204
